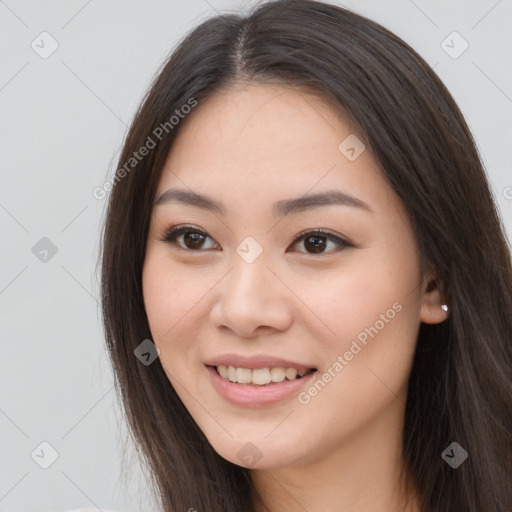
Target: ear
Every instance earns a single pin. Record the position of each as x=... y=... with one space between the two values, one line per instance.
x=432 y=300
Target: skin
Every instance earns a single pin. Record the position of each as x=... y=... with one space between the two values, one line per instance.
x=247 y=146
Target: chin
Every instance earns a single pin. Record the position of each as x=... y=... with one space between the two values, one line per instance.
x=256 y=452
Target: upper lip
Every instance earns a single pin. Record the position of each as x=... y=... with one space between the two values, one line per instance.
x=257 y=361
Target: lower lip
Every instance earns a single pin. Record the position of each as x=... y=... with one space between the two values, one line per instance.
x=253 y=396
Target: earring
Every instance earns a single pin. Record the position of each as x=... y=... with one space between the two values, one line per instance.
x=444 y=307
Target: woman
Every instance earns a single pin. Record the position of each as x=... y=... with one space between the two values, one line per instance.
x=307 y=290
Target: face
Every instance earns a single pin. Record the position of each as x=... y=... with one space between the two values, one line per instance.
x=273 y=283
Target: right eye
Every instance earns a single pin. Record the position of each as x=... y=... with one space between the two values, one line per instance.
x=193 y=238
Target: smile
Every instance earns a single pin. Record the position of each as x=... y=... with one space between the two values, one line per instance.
x=260 y=376
x=261 y=386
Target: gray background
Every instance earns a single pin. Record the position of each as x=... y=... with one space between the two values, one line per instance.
x=62 y=121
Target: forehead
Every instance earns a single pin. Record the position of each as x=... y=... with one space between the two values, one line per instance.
x=263 y=121
x=268 y=140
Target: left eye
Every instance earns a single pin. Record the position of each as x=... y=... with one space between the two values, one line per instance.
x=318 y=240
x=193 y=239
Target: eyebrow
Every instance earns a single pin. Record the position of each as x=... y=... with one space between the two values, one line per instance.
x=279 y=208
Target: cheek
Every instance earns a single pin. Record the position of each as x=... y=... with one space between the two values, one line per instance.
x=370 y=293
x=169 y=293
x=159 y=299
x=170 y=300
x=372 y=311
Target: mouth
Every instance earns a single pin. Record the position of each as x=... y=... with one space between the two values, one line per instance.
x=261 y=377
x=258 y=380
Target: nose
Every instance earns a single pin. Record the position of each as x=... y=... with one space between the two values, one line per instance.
x=252 y=300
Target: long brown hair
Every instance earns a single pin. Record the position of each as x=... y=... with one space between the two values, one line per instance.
x=460 y=387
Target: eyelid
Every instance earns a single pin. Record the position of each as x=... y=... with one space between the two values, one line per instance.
x=169 y=235
x=327 y=234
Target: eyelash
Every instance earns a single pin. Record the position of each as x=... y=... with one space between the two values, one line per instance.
x=171 y=234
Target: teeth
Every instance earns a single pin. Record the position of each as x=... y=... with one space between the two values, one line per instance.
x=291 y=373
x=259 y=376
x=277 y=374
x=232 y=373
x=243 y=375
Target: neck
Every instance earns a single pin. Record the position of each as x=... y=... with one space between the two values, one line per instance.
x=363 y=475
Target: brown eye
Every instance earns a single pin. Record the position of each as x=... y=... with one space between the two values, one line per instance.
x=317 y=241
x=193 y=238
